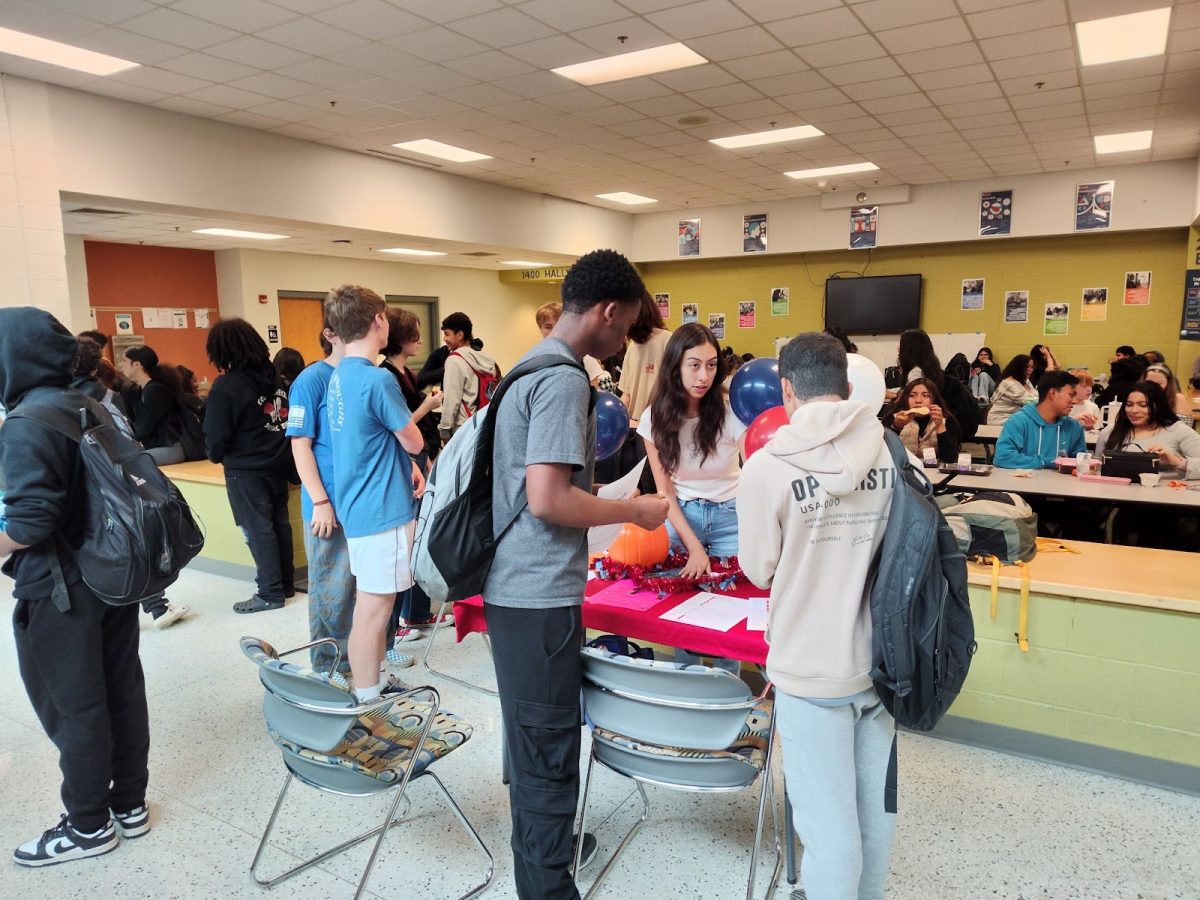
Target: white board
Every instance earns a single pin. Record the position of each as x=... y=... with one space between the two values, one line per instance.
x=881 y=349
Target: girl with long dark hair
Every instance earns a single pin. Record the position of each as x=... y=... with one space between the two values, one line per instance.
x=1014 y=391
x=693 y=441
x=1043 y=362
x=986 y=362
x=156 y=422
x=1146 y=422
x=918 y=359
x=919 y=416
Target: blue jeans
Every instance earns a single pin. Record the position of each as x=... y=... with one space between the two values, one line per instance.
x=716 y=527
x=330 y=597
x=714 y=524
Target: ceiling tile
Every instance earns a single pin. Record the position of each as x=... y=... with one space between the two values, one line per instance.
x=925 y=36
x=896 y=104
x=252 y=51
x=570 y=101
x=1023 y=85
x=131 y=92
x=826 y=105
x=544 y=84
x=816 y=28
x=843 y=52
x=696 y=78
x=888 y=87
x=323 y=73
x=1043 y=40
x=882 y=14
x=375 y=90
x=48 y=23
x=1038 y=64
x=735 y=44
x=941 y=58
x=250 y=120
x=725 y=95
x=666 y=106
x=190 y=106
x=305 y=7
x=110 y=12
x=1041 y=113
x=134 y=47
x=311 y=36
x=1134 y=68
x=490 y=66
x=633 y=89
x=742 y=111
x=177 y=28
x=867 y=70
x=791 y=84
x=241 y=15
x=986 y=90
x=567 y=17
x=639 y=34
x=1118 y=88
x=436 y=44
x=231 y=97
x=480 y=96
x=1021 y=18
x=371 y=18
x=502 y=28
x=771 y=10
x=764 y=65
x=161 y=80
x=372 y=58
x=954 y=77
x=1045 y=98
x=551 y=52
x=699 y=19
x=210 y=68
x=283 y=110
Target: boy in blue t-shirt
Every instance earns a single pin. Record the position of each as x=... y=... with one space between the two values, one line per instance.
x=330 y=584
x=370 y=429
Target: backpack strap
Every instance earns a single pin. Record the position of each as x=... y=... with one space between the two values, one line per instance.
x=482 y=468
x=61 y=422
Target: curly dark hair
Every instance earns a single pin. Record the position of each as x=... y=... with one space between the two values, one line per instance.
x=87 y=357
x=648 y=321
x=234 y=344
x=669 y=400
x=459 y=321
x=97 y=337
x=602 y=276
x=1159 y=407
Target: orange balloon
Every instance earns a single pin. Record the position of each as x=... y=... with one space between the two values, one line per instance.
x=763 y=429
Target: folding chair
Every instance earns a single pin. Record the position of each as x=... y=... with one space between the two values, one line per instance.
x=333 y=743
x=690 y=728
x=459 y=681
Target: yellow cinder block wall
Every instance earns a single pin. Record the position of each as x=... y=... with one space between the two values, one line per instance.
x=1053 y=270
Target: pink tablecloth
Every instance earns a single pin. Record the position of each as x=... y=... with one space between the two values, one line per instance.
x=737 y=643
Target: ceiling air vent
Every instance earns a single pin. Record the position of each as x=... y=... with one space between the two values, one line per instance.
x=97 y=211
x=479 y=253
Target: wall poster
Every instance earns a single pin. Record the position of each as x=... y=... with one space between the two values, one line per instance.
x=1095 y=305
x=689 y=237
x=995 y=213
x=1016 y=306
x=691 y=312
x=864 y=227
x=1093 y=205
x=972 y=293
x=716 y=324
x=746 y=313
x=780 y=301
x=663 y=302
x=1054 y=324
x=1137 y=289
x=754 y=233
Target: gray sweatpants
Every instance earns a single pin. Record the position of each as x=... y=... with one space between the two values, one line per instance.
x=835 y=760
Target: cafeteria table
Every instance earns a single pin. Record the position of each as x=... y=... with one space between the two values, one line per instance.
x=987 y=435
x=1051 y=483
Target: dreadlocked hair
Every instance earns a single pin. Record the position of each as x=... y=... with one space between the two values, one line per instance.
x=234 y=344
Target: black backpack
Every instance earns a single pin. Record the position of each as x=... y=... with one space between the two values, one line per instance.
x=461 y=541
x=959 y=368
x=138 y=530
x=923 y=633
x=191 y=434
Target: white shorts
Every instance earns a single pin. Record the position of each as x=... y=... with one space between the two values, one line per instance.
x=380 y=562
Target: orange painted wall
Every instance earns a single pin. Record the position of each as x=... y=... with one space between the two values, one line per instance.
x=125 y=278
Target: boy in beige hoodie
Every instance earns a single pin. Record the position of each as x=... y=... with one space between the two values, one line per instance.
x=812 y=508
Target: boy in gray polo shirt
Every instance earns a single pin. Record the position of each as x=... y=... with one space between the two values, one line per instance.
x=544 y=451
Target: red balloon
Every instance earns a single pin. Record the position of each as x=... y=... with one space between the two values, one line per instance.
x=763 y=429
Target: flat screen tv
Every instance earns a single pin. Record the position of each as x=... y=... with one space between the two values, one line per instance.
x=883 y=304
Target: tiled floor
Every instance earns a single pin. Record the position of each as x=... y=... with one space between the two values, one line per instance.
x=973 y=823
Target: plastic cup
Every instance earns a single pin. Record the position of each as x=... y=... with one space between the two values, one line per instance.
x=1149 y=479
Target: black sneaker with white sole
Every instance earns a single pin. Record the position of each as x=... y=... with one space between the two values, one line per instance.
x=134 y=823
x=62 y=843
x=589 y=849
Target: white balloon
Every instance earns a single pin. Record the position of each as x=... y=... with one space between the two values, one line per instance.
x=866 y=381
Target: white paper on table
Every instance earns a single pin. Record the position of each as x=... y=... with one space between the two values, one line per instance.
x=601 y=537
x=705 y=610
x=757 y=618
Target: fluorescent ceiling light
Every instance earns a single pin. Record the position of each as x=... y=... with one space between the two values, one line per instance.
x=437 y=149
x=234 y=233
x=28 y=46
x=666 y=58
x=775 y=136
x=524 y=263
x=1123 y=143
x=1117 y=38
x=627 y=198
x=406 y=251
x=833 y=170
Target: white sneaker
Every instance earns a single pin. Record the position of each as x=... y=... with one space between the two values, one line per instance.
x=62 y=843
x=174 y=613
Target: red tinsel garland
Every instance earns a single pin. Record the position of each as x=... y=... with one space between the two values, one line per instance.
x=723 y=574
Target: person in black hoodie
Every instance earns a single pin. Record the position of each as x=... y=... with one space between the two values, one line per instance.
x=244 y=422
x=78 y=656
x=157 y=424
x=1126 y=372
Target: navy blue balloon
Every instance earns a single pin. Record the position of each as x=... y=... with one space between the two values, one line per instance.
x=612 y=424
x=755 y=389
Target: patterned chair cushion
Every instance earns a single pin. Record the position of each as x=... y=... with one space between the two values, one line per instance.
x=749 y=747
x=380 y=744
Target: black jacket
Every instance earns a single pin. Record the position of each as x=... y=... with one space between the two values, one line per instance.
x=435 y=366
x=414 y=398
x=157 y=423
x=1125 y=374
x=244 y=422
x=40 y=470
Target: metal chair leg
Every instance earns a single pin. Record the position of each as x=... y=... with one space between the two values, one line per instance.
x=459 y=681
x=391 y=813
x=789 y=832
x=766 y=794
x=465 y=822
x=587 y=787
x=620 y=847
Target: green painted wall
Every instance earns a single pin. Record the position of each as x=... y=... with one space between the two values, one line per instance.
x=1122 y=677
x=1051 y=269
x=222 y=538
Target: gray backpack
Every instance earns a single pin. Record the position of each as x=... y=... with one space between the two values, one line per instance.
x=994 y=523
